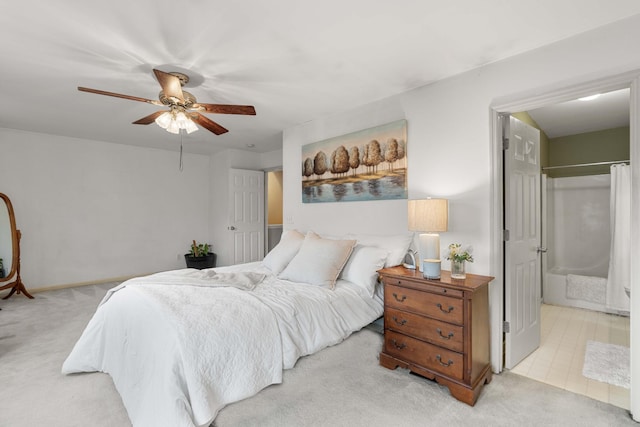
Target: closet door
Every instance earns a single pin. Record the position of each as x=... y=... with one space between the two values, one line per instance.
x=246 y=215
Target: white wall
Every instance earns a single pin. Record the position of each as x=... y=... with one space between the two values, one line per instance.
x=92 y=211
x=450 y=144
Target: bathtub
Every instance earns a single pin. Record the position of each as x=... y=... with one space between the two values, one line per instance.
x=555 y=291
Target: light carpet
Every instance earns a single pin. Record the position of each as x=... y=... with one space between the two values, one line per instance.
x=607 y=363
x=340 y=386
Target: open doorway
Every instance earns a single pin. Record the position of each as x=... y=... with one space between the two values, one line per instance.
x=580 y=140
x=535 y=99
x=273 y=208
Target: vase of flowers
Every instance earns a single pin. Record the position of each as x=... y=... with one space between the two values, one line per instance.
x=459 y=255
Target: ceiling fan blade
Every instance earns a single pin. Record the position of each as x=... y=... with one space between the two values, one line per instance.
x=118 y=95
x=170 y=85
x=148 y=119
x=227 y=109
x=207 y=123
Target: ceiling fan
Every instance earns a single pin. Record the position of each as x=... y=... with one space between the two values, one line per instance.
x=184 y=109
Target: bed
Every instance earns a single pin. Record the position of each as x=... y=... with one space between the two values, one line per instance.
x=180 y=345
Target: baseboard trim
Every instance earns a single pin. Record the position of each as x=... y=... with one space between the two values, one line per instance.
x=78 y=284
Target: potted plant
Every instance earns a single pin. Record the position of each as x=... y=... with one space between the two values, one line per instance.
x=200 y=256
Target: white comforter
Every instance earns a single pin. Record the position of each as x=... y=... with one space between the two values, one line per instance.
x=180 y=345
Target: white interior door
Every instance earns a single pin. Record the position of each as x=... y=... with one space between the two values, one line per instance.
x=523 y=225
x=246 y=215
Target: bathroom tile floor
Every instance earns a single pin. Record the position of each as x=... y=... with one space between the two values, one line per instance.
x=563 y=340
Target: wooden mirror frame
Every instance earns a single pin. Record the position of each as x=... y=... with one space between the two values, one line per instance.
x=16 y=286
x=14 y=239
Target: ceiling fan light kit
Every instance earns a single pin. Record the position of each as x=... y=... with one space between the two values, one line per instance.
x=185 y=111
x=174 y=120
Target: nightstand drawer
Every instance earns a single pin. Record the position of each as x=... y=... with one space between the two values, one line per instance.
x=432 y=357
x=423 y=285
x=434 y=331
x=433 y=305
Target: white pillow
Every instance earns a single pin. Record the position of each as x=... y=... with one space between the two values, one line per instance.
x=363 y=265
x=396 y=245
x=319 y=261
x=278 y=258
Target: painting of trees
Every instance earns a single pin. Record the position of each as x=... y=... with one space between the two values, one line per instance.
x=307 y=168
x=402 y=152
x=320 y=163
x=354 y=158
x=374 y=155
x=364 y=156
x=340 y=161
x=351 y=165
x=391 y=152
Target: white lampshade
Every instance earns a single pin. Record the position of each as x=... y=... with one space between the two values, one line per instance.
x=164 y=119
x=190 y=126
x=429 y=216
x=173 y=127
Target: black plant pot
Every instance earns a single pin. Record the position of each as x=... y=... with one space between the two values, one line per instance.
x=200 y=262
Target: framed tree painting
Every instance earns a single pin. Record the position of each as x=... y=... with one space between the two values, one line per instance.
x=370 y=164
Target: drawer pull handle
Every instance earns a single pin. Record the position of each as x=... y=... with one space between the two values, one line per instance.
x=439 y=359
x=398 y=346
x=404 y=297
x=443 y=310
x=399 y=322
x=446 y=337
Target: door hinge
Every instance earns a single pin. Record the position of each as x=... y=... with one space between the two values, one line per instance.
x=506 y=328
x=505 y=143
x=505 y=235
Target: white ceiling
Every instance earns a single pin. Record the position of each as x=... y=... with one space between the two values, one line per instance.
x=609 y=110
x=293 y=60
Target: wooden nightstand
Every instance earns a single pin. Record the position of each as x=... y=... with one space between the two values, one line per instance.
x=438 y=329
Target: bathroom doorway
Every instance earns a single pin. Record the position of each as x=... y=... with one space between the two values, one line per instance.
x=579 y=143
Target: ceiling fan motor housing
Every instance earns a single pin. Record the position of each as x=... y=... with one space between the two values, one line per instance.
x=189 y=99
x=184 y=79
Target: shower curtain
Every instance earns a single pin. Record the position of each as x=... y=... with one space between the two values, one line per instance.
x=619 y=257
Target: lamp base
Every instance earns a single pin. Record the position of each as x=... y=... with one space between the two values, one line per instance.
x=429 y=249
x=431 y=268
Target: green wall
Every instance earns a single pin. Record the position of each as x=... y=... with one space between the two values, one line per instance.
x=591 y=147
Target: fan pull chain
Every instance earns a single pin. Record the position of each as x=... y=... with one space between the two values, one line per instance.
x=180 y=151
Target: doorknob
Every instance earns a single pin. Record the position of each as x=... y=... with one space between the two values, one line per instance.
x=541 y=249
x=231 y=228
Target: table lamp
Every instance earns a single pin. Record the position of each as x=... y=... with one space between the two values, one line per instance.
x=429 y=217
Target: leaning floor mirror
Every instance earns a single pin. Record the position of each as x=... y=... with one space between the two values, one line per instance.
x=10 y=250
